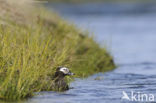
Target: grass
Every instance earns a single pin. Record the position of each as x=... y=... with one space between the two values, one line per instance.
x=33 y=42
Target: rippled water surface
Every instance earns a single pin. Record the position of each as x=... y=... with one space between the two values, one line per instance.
x=129 y=32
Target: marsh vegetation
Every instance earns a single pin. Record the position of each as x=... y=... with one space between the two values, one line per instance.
x=34 y=42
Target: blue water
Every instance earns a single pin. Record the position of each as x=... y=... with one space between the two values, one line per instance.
x=128 y=31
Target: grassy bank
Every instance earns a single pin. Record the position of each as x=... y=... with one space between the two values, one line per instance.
x=33 y=42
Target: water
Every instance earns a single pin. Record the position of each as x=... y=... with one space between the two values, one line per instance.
x=129 y=32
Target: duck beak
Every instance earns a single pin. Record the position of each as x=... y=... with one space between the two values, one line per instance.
x=70 y=73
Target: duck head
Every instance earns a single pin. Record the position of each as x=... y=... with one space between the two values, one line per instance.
x=65 y=71
x=61 y=72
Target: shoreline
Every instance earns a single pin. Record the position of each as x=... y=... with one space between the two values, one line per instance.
x=35 y=42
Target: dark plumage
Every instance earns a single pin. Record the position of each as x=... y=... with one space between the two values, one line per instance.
x=59 y=79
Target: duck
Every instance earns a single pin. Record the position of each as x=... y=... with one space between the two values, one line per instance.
x=59 y=83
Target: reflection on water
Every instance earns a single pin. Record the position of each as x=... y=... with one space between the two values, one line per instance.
x=129 y=32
